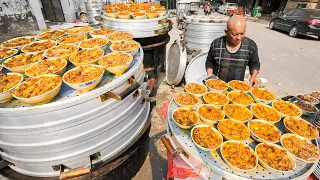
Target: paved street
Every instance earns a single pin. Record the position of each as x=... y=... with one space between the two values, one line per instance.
x=293 y=63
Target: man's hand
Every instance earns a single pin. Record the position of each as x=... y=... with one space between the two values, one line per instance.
x=253 y=82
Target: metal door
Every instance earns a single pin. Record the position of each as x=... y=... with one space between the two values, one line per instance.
x=52 y=10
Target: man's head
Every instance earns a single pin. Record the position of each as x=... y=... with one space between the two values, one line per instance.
x=236 y=29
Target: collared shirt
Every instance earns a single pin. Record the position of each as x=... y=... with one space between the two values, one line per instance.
x=232 y=65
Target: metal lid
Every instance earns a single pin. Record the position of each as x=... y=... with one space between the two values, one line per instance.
x=196 y=68
x=176 y=63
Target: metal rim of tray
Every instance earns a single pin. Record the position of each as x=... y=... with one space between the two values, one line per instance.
x=134 y=20
x=86 y=96
x=207 y=164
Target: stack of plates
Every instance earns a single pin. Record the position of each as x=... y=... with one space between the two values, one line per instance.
x=316 y=121
x=317 y=171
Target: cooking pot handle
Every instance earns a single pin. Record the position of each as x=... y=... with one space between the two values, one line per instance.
x=167 y=144
x=151 y=85
x=75 y=173
x=134 y=85
x=129 y=90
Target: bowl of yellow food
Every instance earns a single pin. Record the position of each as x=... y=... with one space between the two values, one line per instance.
x=48 y=66
x=233 y=130
x=195 y=88
x=86 y=56
x=131 y=47
x=263 y=131
x=38 y=90
x=72 y=38
x=300 y=148
x=101 y=43
x=119 y=37
x=38 y=46
x=275 y=158
x=286 y=108
x=101 y=33
x=210 y=114
x=21 y=62
x=239 y=156
x=63 y=51
x=139 y=15
x=241 y=98
x=116 y=63
x=7 y=53
x=265 y=112
x=185 y=99
x=185 y=118
x=217 y=99
x=123 y=15
x=18 y=42
x=261 y=95
x=301 y=127
x=236 y=85
x=216 y=85
x=50 y=35
x=84 y=77
x=238 y=113
x=8 y=83
x=206 y=137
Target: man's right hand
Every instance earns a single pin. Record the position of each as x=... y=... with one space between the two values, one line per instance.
x=206 y=77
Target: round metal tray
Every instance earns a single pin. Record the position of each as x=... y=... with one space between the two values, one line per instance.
x=210 y=165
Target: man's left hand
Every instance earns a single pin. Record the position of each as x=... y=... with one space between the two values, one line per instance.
x=253 y=82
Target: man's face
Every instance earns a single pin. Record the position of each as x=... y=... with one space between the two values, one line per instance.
x=235 y=35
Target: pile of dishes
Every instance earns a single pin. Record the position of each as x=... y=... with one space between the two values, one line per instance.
x=222 y=116
x=81 y=51
x=133 y=10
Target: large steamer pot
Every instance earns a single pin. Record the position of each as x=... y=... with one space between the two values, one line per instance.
x=199 y=35
x=139 y=28
x=68 y=132
x=154 y=49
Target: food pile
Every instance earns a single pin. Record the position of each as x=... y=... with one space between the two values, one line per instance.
x=133 y=10
x=246 y=112
x=44 y=60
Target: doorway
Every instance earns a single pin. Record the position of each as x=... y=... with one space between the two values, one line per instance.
x=52 y=10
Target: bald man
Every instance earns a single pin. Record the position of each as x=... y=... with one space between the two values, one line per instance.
x=230 y=54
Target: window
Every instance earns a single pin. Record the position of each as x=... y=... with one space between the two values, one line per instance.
x=301 y=5
x=297 y=13
x=289 y=13
x=233 y=5
x=314 y=13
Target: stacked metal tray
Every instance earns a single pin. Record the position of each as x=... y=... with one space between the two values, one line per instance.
x=139 y=28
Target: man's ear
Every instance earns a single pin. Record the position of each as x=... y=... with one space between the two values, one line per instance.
x=225 y=31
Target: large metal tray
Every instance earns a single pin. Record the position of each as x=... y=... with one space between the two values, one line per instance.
x=211 y=165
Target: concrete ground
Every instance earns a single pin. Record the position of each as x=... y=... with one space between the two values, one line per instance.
x=291 y=65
